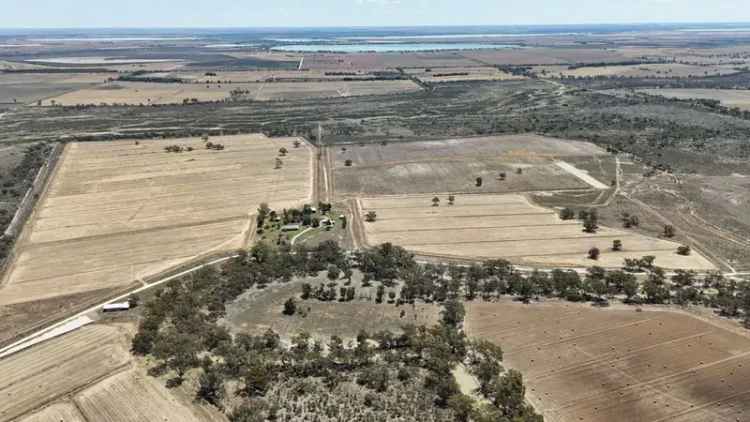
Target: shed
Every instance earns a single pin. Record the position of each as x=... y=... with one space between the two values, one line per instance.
x=114 y=307
x=290 y=227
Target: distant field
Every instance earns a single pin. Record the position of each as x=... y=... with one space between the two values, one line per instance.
x=144 y=93
x=545 y=56
x=452 y=74
x=119 y=211
x=25 y=88
x=670 y=70
x=269 y=75
x=381 y=61
x=453 y=165
x=728 y=97
x=65 y=412
x=593 y=365
x=507 y=226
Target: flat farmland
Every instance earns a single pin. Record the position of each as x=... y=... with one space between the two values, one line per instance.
x=728 y=97
x=117 y=212
x=545 y=56
x=454 y=74
x=453 y=165
x=666 y=70
x=146 y=93
x=268 y=75
x=507 y=226
x=53 y=369
x=132 y=396
x=586 y=364
x=65 y=412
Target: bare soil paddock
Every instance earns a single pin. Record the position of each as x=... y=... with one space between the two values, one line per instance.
x=117 y=212
x=146 y=93
x=586 y=364
x=271 y=75
x=382 y=61
x=545 y=56
x=510 y=227
x=453 y=165
x=27 y=88
x=58 y=412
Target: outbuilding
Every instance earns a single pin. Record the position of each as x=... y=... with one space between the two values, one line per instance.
x=116 y=307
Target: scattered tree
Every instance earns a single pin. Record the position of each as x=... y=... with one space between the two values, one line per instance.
x=594 y=253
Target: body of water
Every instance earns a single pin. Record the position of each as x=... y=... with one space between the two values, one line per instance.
x=393 y=47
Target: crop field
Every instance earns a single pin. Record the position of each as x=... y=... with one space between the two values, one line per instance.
x=669 y=70
x=146 y=93
x=453 y=166
x=586 y=364
x=728 y=97
x=117 y=212
x=132 y=396
x=453 y=74
x=258 y=310
x=55 y=368
x=507 y=226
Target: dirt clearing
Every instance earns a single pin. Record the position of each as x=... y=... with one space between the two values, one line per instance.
x=586 y=364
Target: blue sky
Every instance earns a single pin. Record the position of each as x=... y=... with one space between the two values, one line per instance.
x=251 y=13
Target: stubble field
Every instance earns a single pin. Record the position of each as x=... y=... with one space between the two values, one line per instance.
x=510 y=227
x=454 y=74
x=118 y=212
x=656 y=70
x=147 y=93
x=586 y=364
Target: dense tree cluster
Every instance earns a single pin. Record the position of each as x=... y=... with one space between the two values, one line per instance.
x=180 y=331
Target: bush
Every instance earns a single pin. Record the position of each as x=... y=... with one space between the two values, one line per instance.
x=594 y=253
x=684 y=250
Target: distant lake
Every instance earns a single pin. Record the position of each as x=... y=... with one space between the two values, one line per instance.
x=384 y=48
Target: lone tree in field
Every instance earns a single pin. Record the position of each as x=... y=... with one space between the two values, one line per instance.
x=594 y=253
x=669 y=230
x=451 y=199
x=567 y=214
x=435 y=201
x=479 y=182
x=279 y=163
x=519 y=170
x=590 y=222
x=297 y=144
x=684 y=250
x=283 y=151
x=348 y=163
x=371 y=216
x=502 y=175
x=290 y=307
x=617 y=245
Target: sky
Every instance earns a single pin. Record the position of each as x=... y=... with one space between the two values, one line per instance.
x=312 y=13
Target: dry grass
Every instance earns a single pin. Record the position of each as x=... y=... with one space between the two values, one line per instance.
x=268 y=75
x=146 y=93
x=507 y=226
x=382 y=61
x=586 y=364
x=55 y=368
x=116 y=211
x=545 y=56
